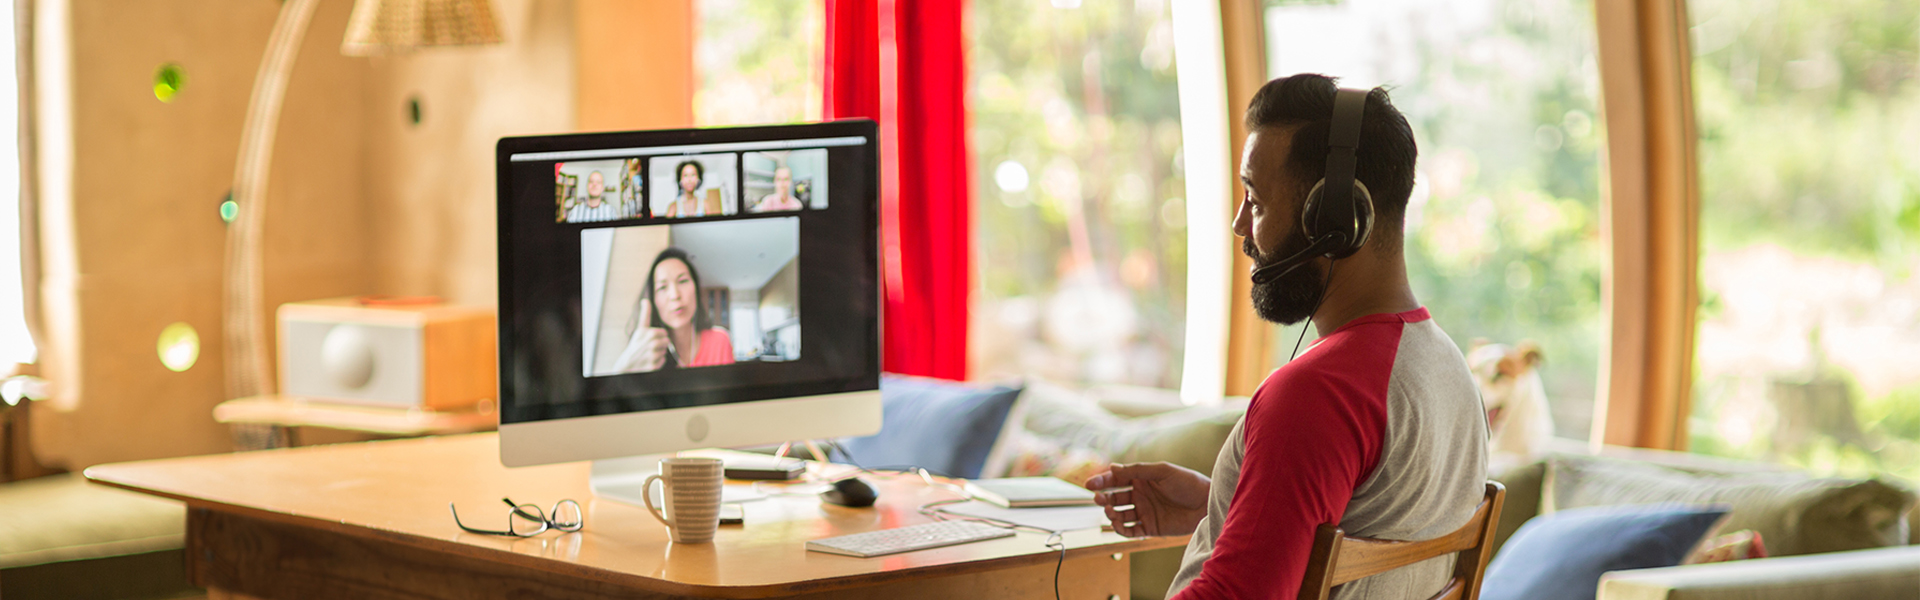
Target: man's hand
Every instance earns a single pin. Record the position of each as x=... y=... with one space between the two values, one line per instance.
x=1165 y=499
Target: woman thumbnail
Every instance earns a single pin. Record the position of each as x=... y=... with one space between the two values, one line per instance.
x=670 y=327
x=691 y=174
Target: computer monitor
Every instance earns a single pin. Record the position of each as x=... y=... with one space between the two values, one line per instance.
x=668 y=290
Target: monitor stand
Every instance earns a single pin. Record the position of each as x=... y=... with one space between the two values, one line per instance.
x=624 y=479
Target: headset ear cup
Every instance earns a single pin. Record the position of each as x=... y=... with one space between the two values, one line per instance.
x=1310 y=212
x=1362 y=218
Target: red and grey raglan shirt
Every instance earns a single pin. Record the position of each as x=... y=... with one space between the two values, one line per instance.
x=1377 y=427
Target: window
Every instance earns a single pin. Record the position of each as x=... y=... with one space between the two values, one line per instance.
x=1808 y=114
x=1079 y=216
x=758 y=61
x=1503 y=238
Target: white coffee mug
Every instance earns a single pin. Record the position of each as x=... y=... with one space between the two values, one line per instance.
x=691 y=495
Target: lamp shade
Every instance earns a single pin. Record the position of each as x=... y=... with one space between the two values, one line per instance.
x=393 y=26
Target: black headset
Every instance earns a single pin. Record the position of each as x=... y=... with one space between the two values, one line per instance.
x=1338 y=215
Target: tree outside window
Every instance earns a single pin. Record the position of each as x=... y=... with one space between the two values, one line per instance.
x=758 y=61
x=1079 y=215
x=1809 y=121
x=1503 y=237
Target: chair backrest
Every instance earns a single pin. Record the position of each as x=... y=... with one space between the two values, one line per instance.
x=1338 y=559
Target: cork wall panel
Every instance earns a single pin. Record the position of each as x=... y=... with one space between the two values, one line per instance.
x=141 y=230
x=431 y=185
x=317 y=232
x=362 y=197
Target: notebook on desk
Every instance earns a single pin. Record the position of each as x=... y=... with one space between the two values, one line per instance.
x=1029 y=492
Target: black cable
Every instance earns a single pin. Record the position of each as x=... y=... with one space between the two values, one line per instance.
x=1055 y=538
x=1324 y=285
x=931 y=509
x=1061 y=563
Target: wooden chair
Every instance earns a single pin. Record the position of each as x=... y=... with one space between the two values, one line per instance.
x=1338 y=559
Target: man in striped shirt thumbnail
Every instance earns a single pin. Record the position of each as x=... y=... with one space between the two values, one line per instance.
x=595 y=206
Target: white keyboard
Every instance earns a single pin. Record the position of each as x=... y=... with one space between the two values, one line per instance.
x=908 y=539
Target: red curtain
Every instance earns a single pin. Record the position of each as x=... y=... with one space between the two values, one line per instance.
x=903 y=63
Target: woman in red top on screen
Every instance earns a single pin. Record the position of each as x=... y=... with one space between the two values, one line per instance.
x=670 y=327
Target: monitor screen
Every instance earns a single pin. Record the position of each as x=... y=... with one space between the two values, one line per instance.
x=659 y=271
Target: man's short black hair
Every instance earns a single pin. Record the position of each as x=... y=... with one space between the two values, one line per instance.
x=1384 y=161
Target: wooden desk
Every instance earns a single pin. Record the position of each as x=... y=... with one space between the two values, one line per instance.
x=371 y=519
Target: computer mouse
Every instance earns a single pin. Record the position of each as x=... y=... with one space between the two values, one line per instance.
x=852 y=491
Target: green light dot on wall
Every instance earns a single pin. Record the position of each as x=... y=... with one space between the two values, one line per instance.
x=179 y=347
x=229 y=210
x=168 y=81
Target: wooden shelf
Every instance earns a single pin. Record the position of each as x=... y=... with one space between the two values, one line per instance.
x=290 y=411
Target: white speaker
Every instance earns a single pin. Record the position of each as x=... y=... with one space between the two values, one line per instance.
x=405 y=355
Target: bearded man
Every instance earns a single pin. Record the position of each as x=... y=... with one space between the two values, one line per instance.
x=1377 y=426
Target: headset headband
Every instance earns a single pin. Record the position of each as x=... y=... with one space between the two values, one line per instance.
x=1342 y=140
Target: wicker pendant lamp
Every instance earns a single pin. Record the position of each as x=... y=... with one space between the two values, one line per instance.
x=387 y=26
x=375 y=27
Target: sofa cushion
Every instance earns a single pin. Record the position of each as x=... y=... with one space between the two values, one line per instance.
x=1795 y=513
x=946 y=427
x=62 y=517
x=1189 y=436
x=1561 y=556
x=1523 y=499
x=70 y=539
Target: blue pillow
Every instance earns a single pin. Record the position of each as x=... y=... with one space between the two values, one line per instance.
x=946 y=427
x=1560 y=556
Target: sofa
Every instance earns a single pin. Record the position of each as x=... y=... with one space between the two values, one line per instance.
x=1830 y=537
x=73 y=540
x=66 y=538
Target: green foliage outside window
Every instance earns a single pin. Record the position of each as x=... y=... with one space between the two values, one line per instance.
x=1808 y=114
x=758 y=61
x=1079 y=217
x=1503 y=230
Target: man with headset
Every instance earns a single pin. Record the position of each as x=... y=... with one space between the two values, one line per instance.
x=1378 y=426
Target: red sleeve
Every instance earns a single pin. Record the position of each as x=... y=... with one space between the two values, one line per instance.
x=1312 y=436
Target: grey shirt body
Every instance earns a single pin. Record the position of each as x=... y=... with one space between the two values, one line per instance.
x=1429 y=478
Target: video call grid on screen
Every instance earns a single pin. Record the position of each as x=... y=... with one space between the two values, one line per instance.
x=773 y=242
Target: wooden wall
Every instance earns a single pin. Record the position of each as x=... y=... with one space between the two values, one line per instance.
x=130 y=210
x=362 y=200
x=431 y=186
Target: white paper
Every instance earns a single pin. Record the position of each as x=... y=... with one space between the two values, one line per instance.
x=1053 y=518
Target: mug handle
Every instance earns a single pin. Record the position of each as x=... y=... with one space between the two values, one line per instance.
x=646 y=496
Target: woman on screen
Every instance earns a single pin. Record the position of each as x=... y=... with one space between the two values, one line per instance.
x=687 y=204
x=670 y=327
